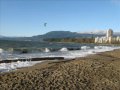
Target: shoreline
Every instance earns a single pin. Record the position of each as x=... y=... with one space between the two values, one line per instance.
x=10 y=65
x=96 y=71
x=17 y=63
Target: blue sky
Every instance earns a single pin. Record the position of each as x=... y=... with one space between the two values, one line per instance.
x=27 y=17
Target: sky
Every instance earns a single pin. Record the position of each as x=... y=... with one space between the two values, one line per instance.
x=28 y=17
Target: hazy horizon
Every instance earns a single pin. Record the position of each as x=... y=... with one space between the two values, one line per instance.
x=37 y=17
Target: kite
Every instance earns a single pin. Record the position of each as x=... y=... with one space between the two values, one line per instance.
x=45 y=24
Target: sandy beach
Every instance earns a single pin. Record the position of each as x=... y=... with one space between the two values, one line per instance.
x=94 y=72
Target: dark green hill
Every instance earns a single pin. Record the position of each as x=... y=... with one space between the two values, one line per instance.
x=52 y=34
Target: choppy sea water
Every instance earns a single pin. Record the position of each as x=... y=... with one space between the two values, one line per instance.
x=66 y=51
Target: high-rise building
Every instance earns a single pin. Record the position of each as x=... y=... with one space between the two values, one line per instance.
x=109 y=33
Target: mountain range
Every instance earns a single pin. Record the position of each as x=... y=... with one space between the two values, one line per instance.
x=59 y=34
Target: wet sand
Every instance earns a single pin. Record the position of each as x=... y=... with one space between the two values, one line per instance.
x=94 y=72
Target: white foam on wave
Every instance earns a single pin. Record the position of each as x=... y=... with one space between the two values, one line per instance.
x=85 y=51
x=63 y=49
x=104 y=48
x=1 y=50
x=85 y=47
x=5 y=67
x=47 y=50
x=64 y=52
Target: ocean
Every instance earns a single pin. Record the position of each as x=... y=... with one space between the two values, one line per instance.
x=31 y=46
x=8 y=51
x=25 y=50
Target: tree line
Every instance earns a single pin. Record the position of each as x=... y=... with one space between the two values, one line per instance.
x=76 y=40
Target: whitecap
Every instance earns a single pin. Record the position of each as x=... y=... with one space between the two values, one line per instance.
x=85 y=47
x=63 y=49
x=1 y=50
x=47 y=50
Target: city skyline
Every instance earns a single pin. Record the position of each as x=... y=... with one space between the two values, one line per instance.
x=36 y=17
